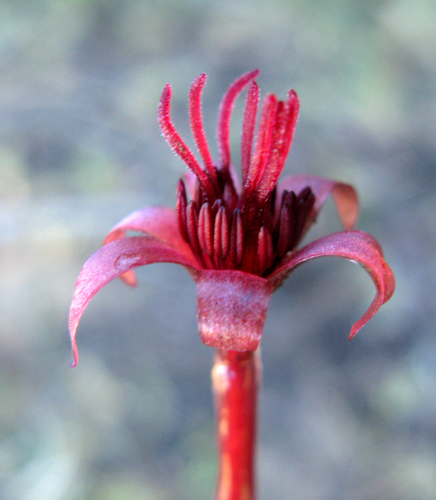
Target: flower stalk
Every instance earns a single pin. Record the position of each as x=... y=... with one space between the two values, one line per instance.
x=235 y=378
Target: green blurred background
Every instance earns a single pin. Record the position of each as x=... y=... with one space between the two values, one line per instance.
x=80 y=149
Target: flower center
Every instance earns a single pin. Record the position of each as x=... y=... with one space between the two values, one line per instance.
x=228 y=232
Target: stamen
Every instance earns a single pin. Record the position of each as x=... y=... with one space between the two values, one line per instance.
x=239 y=238
x=199 y=194
x=265 y=252
x=230 y=197
x=236 y=244
x=304 y=193
x=205 y=229
x=310 y=203
x=285 y=122
x=309 y=216
x=300 y=214
x=225 y=114
x=263 y=145
x=248 y=127
x=181 y=203
x=273 y=201
x=217 y=204
x=221 y=234
x=267 y=215
x=198 y=129
x=192 y=224
x=284 y=229
x=177 y=144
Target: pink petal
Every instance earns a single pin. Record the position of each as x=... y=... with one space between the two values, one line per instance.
x=113 y=260
x=344 y=195
x=356 y=246
x=232 y=308
x=159 y=222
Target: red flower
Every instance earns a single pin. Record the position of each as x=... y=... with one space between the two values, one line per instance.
x=237 y=238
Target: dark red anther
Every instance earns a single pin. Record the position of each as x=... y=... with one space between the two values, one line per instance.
x=273 y=202
x=199 y=195
x=221 y=234
x=265 y=252
x=239 y=238
x=236 y=243
x=192 y=225
x=205 y=229
x=310 y=202
x=181 y=203
x=284 y=229
x=304 y=194
x=217 y=204
x=301 y=213
x=230 y=196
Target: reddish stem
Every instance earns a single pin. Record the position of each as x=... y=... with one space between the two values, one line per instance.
x=236 y=378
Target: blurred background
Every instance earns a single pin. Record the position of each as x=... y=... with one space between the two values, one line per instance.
x=80 y=149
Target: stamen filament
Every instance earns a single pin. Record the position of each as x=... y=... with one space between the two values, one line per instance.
x=198 y=129
x=225 y=113
x=177 y=144
x=263 y=144
x=285 y=122
x=248 y=129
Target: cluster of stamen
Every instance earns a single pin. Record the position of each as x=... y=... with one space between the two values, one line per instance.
x=243 y=228
x=231 y=238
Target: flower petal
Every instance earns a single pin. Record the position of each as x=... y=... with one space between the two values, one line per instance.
x=357 y=246
x=232 y=308
x=344 y=195
x=113 y=260
x=159 y=222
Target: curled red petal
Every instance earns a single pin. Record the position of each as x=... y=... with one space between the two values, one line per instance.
x=344 y=195
x=113 y=260
x=232 y=308
x=159 y=222
x=357 y=246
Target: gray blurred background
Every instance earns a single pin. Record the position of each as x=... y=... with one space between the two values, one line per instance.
x=80 y=149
